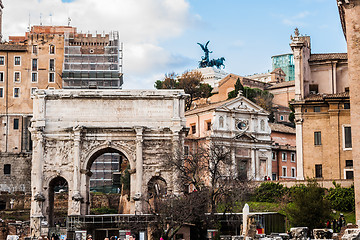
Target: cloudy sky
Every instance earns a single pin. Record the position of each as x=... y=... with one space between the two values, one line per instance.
x=160 y=36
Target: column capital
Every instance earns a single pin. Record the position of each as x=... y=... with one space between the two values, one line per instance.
x=139 y=130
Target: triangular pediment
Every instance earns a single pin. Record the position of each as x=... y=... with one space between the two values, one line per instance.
x=245 y=137
x=241 y=104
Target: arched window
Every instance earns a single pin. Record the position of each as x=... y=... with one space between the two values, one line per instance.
x=262 y=125
x=221 y=122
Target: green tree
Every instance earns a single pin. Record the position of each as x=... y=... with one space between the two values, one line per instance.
x=341 y=198
x=238 y=87
x=308 y=208
x=191 y=82
x=270 y=192
x=292 y=114
x=262 y=98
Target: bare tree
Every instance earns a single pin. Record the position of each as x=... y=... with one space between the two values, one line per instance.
x=174 y=212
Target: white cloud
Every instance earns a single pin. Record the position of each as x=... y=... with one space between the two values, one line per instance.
x=295 y=20
x=142 y=25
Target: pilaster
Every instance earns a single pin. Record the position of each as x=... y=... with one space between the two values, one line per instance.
x=299 y=149
x=139 y=168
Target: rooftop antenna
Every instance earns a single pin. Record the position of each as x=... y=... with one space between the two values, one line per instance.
x=40 y=19
x=69 y=21
x=29 y=23
x=51 y=19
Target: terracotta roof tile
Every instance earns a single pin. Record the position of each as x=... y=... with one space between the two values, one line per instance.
x=328 y=56
x=12 y=47
x=282 y=84
x=205 y=107
x=321 y=97
x=277 y=127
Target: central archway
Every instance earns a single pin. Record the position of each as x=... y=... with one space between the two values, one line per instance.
x=108 y=173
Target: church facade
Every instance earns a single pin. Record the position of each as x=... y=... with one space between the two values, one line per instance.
x=240 y=125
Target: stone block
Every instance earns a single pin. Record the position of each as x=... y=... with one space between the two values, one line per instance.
x=299 y=233
x=324 y=233
x=351 y=234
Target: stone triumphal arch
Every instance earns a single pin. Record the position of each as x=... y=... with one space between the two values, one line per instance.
x=71 y=128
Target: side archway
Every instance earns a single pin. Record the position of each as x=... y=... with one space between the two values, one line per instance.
x=59 y=191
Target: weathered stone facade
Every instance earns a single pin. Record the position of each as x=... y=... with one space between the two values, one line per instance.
x=15 y=169
x=71 y=128
x=350 y=18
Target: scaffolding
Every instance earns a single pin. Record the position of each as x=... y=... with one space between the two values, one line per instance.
x=92 y=61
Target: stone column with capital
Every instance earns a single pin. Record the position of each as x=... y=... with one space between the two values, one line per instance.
x=76 y=197
x=139 y=169
x=38 y=197
x=177 y=148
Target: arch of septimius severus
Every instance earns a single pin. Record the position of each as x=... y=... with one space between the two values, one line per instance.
x=71 y=128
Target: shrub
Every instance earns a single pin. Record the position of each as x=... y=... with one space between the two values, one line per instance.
x=270 y=192
x=103 y=210
x=341 y=198
x=309 y=208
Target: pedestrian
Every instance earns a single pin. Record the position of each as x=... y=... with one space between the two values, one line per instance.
x=265 y=178
x=334 y=225
x=268 y=178
x=328 y=224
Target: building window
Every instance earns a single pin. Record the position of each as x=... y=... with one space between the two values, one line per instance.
x=347 y=137
x=32 y=91
x=186 y=150
x=313 y=88
x=292 y=157
x=293 y=172
x=52 y=65
x=52 y=49
x=1 y=92
x=34 y=65
x=2 y=60
x=193 y=129
x=284 y=171
x=16 y=92
x=34 y=77
x=7 y=169
x=221 y=122
x=346 y=105
x=34 y=49
x=281 y=118
x=349 y=174
x=17 y=77
x=317 y=138
x=51 y=88
x=17 y=61
x=283 y=156
x=1 y=76
x=274 y=177
x=51 y=77
x=208 y=125
x=16 y=123
x=318 y=171
x=273 y=156
x=317 y=109
x=349 y=163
